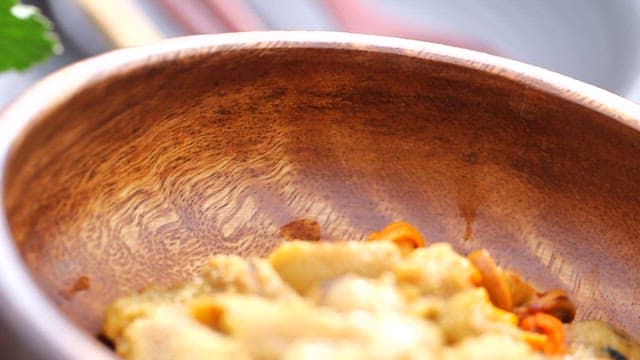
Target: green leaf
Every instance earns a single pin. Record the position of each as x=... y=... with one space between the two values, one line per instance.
x=26 y=37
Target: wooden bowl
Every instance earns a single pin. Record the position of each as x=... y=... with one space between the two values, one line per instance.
x=131 y=168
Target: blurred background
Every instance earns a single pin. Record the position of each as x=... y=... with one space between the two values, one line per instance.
x=592 y=40
x=596 y=41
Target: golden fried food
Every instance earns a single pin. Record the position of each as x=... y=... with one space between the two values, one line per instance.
x=392 y=297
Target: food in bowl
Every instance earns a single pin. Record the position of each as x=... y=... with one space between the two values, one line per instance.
x=391 y=297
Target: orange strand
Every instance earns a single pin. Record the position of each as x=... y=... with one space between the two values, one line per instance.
x=492 y=279
x=400 y=233
x=547 y=325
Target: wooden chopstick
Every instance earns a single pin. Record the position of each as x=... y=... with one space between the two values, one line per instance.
x=123 y=23
x=213 y=16
x=194 y=16
x=237 y=15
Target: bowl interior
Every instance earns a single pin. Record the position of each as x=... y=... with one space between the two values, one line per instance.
x=140 y=176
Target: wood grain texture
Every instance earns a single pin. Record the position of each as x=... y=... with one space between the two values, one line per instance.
x=137 y=178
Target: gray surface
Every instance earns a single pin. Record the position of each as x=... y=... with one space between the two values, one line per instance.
x=294 y=14
x=591 y=40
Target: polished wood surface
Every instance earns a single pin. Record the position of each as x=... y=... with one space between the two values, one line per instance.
x=139 y=175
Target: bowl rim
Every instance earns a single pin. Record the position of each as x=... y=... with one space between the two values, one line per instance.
x=32 y=315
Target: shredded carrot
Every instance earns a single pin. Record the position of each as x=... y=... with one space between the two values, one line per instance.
x=535 y=340
x=400 y=233
x=521 y=291
x=206 y=311
x=476 y=276
x=506 y=316
x=547 y=325
x=492 y=279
